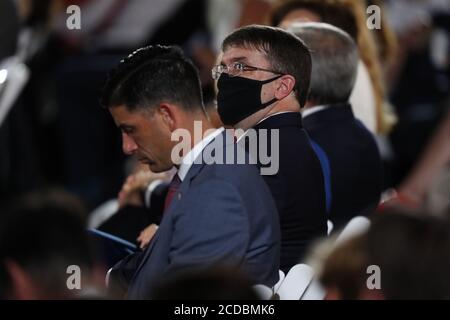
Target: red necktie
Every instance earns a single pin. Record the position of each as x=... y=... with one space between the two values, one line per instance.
x=173 y=188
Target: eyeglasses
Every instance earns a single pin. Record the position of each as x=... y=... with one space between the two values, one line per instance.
x=235 y=69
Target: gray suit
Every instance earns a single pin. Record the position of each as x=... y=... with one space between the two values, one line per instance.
x=221 y=214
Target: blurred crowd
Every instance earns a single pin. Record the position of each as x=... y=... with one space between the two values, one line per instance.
x=62 y=168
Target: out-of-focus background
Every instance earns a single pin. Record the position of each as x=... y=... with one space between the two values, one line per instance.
x=55 y=136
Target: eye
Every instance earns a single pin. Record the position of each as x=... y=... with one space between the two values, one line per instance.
x=128 y=130
x=238 y=66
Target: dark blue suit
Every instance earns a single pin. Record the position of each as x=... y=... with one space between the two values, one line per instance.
x=297 y=188
x=355 y=164
x=221 y=214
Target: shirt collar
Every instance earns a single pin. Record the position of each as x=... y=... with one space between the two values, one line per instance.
x=312 y=110
x=271 y=115
x=190 y=157
x=275 y=114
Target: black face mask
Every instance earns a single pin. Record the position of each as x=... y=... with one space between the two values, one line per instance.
x=239 y=98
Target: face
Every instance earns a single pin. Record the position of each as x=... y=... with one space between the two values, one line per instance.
x=146 y=136
x=255 y=59
x=252 y=58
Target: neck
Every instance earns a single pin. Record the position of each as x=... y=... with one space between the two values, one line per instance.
x=285 y=105
x=198 y=126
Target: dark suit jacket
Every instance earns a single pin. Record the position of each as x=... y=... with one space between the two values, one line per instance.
x=297 y=188
x=356 y=173
x=222 y=213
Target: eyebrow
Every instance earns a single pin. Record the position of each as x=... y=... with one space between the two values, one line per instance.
x=237 y=59
x=125 y=127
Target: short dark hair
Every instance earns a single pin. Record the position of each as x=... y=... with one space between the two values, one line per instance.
x=151 y=75
x=45 y=233
x=413 y=253
x=411 y=249
x=285 y=52
x=218 y=282
x=337 y=14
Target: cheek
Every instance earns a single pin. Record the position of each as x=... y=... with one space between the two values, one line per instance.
x=154 y=140
x=154 y=145
x=145 y=145
x=267 y=92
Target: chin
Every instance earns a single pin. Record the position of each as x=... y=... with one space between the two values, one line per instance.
x=157 y=168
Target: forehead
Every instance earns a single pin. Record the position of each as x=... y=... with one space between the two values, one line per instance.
x=122 y=116
x=249 y=56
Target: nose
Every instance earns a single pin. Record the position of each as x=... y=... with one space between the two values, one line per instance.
x=129 y=147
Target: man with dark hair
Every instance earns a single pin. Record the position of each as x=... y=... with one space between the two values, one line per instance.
x=211 y=215
x=354 y=160
x=263 y=81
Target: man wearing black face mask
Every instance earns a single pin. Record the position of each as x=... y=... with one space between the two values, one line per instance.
x=263 y=80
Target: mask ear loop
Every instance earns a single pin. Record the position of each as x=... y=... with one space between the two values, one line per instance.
x=268 y=103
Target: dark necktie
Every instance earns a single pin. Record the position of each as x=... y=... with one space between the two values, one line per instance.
x=173 y=188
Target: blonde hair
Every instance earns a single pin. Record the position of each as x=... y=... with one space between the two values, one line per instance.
x=370 y=54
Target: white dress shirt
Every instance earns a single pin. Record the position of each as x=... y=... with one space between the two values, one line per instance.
x=190 y=157
x=312 y=110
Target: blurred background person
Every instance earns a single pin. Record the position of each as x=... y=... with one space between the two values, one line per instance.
x=427 y=187
x=411 y=252
x=354 y=161
x=419 y=80
x=39 y=240
x=219 y=283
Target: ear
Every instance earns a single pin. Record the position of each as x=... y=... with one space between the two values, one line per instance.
x=22 y=287
x=169 y=114
x=285 y=86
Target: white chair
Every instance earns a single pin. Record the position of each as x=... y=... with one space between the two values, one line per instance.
x=296 y=282
x=13 y=76
x=278 y=284
x=330 y=226
x=358 y=225
x=107 y=277
x=264 y=292
x=315 y=291
x=102 y=213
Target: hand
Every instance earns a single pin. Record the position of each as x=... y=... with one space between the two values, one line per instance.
x=135 y=184
x=394 y=199
x=146 y=235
